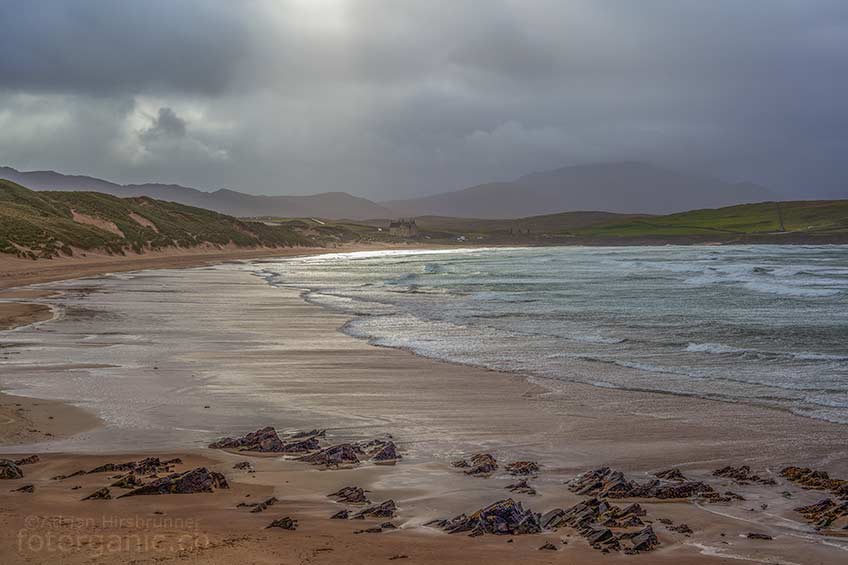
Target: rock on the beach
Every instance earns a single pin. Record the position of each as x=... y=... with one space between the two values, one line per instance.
x=505 y=517
x=266 y=440
x=826 y=513
x=479 y=465
x=10 y=470
x=385 y=454
x=595 y=520
x=755 y=535
x=548 y=547
x=385 y=509
x=671 y=475
x=522 y=468
x=243 y=466
x=145 y=466
x=350 y=495
x=283 y=523
x=334 y=456
x=28 y=460
x=259 y=506
x=605 y=482
x=340 y=515
x=130 y=480
x=742 y=475
x=196 y=480
x=25 y=488
x=62 y=477
x=101 y=494
x=521 y=487
x=816 y=480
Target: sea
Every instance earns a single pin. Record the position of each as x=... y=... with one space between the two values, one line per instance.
x=759 y=324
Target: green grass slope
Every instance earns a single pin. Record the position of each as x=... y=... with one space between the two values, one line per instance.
x=47 y=224
x=769 y=221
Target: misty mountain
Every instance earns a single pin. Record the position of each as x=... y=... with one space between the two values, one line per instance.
x=324 y=205
x=626 y=187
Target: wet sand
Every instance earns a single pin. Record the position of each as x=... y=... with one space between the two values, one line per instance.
x=256 y=355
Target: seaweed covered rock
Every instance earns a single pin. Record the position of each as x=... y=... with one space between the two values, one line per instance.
x=816 y=480
x=826 y=514
x=334 y=456
x=742 y=475
x=194 y=481
x=10 y=470
x=522 y=468
x=505 y=517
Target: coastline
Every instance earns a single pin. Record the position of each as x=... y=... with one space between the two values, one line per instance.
x=437 y=411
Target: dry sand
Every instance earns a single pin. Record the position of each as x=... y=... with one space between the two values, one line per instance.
x=257 y=356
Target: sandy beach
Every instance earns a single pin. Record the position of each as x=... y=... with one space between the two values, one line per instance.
x=162 y=362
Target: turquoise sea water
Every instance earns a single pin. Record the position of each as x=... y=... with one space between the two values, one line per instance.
x=763 y=324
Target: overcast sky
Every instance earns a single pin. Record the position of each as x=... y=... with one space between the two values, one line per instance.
x=397 y=98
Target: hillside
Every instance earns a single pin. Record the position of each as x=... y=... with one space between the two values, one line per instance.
x=49 y=224
x=626 y=187
x=225 y=201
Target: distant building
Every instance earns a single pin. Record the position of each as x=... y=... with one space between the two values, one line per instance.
x=403 y=228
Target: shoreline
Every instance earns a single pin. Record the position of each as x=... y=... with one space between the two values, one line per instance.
x=437 y=411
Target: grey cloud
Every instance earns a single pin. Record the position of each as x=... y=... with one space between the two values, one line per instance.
x=390 y=99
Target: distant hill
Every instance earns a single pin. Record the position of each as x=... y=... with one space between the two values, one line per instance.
x=324 y=205
x=47 y=224
x=626 y=187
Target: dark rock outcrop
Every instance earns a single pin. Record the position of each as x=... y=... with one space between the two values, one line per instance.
x=742 y=475
x=755 y=535
x=521 y=487
x=385 y=509
x=147 y=466
x=283 y=523
x=479 y=465
x=522 y=468
x=604 y=482
x=266 y=440
x=334 y=456
x=26 y=488
x=196 y=480
x=671 y=475
x=259 y=506
x=27 y=460
x=243 y=466
x=548 y=547
x=816 y=480
x=350 y=495
x=826 y=514
x=130 y=480
x=10 y=470
x=505 y=517
x=596 y=520
x=63 y=477
x=101 y=494
x=340 y=515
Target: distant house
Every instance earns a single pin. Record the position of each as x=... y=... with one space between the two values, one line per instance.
x=403 y=228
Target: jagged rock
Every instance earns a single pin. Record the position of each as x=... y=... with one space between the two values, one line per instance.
x=505 y=517
x=260 y=506
x=27 y=460
x=62 y=477
x=644 y=540
x=671 y=475
x=387 y=453
x=340 y=515
x=595 y=520
x=385 y=509
x=521 y=487
x=267 y=440
x=482 y=464
x=10 y=470
x=816 y=480
x=350 y=495
x=604 y=482
x=388 y=526
x=826 y=513
x=196 y=480
x=130 y=480
x=522 y=468
x=284 y=523
x=754 y=535
x=341 y=454
x=101 y=494
x=681 y=529
x=243 y=466
x=742 y=475
x=25 y=488
x=145 y=466
x=310 y=433
x=548 y=547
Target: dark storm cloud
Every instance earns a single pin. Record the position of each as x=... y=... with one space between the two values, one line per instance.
x=390 y=99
